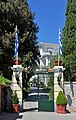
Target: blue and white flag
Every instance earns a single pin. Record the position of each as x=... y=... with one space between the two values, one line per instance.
x=60 y=43
x=16 y=44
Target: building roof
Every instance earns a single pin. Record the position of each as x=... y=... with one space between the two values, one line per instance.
x=48 y=46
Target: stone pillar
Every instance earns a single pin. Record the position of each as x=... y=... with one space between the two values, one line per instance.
x=17 y=85
x=57 y=87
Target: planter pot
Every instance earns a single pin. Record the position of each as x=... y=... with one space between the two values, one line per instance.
x=58 y=63
x=16 y=108
x=17 y=62
x=61 y=109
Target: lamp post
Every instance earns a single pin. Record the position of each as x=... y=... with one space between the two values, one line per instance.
x=26 y=71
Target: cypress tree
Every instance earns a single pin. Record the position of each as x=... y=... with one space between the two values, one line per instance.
x=69 y=41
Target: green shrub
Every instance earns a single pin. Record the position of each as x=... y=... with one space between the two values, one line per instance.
x=4 y=81
x=15 y=99
x=61 y=99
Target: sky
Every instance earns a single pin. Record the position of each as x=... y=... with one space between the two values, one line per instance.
x=49 y=16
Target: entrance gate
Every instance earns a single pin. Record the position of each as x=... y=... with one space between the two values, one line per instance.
x=45 y=84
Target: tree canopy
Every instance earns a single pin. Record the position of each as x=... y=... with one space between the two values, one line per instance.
x=69 y=41
x=18 y=13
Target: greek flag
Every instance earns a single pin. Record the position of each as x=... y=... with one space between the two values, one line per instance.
x=60 y=43
x=16 y=44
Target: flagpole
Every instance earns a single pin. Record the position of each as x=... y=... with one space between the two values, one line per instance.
x=17 y=54
x=58 y=48
x=16 y=46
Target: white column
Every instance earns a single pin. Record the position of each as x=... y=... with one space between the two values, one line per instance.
x=41 y=51
x=46 y=61
x=41 y=63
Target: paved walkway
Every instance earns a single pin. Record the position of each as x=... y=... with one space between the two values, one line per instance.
x=37 y=116
x=31 y=111
x=48 y=116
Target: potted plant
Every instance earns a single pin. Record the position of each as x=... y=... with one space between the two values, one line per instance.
x=61 y=102
x=15 y=102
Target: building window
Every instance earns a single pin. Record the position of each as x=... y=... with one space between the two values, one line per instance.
x=50 y=50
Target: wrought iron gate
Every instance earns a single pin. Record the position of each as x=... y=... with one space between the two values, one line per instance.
x=45 y=84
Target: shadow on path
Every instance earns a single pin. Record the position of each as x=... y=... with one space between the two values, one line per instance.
x=30 y=109
x=10 y=116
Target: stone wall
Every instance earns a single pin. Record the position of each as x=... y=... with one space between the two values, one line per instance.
x=6 y=96
x=70 y=92
x=3 y=100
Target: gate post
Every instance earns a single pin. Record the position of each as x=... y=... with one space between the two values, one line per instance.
x=57 y=86
x=17 y=81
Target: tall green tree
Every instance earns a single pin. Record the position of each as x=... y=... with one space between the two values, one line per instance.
x=12 y=13
x=69 y=41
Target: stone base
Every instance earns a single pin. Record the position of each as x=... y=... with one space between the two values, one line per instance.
x=71 y=109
